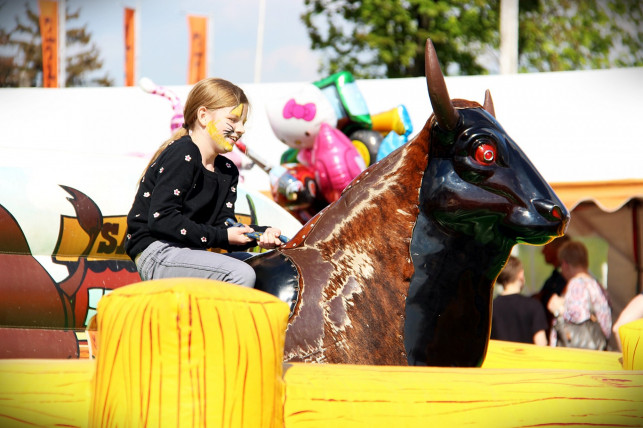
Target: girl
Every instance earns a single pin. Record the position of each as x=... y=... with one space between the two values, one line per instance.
x=188 y=191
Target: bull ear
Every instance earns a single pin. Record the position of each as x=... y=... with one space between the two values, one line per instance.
x=446 y=115
x=488 y=103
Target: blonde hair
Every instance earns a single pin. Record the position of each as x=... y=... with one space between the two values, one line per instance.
x=212 y=93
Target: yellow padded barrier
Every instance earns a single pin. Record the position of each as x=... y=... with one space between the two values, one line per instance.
x=632 y=342
x=200 y=353
x=45 y=393
x=166 y=349
x=505 y=355
x=350 y=396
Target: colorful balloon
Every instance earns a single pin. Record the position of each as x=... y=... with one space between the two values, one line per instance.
x=335 y=161
x=370 y=141
x=396 y=119
x=293 y=186
x=347 y=100
x=391 y=142
x=295 y=118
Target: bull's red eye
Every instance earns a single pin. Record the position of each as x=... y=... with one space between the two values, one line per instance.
x=485 y=154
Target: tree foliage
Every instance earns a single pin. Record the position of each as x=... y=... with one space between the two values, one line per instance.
x=376 y=38
x=25 y=68
x=385 y=38
x=559 y=35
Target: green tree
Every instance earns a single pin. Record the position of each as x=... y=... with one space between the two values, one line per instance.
x=559 y=35
x=377 y=38
x=25 y=67
x=385 y=38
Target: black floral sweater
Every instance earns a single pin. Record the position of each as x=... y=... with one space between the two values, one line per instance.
x=181 y=202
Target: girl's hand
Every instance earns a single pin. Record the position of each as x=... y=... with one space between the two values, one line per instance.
x=237 y=235
x=270 y=238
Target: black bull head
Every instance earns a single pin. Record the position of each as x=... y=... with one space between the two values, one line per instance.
x=400 y=269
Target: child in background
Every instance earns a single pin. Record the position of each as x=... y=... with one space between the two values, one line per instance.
x=517 y=318
x=188 y=191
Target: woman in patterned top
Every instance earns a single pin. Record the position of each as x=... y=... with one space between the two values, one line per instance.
x=583 y=297
x=187 y=192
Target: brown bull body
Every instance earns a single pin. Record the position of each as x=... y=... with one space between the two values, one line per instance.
x=400 y=269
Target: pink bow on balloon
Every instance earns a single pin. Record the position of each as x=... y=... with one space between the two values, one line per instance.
x=299 y=111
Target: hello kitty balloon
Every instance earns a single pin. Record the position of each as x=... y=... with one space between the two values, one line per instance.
x=295 y=118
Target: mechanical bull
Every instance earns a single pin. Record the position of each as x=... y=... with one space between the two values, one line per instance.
x=400 y=269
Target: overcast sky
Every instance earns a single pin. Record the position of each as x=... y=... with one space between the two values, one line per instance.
x=163 y=37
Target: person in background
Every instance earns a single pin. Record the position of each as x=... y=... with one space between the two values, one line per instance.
x=632 y=312
x=555 y=283
x=187 y=194
x=515 y=317
x=583 y=298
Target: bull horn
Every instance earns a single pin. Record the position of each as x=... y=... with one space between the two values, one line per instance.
x=488 y=103
x=446 y=115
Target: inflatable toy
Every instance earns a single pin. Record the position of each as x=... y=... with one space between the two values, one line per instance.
x=293 y=186
x=390 y=143
x=177 y=107
x=347 y=101
x=396 y=124
x=367 y=142
x=396 y=119
x=298 y=120
x=399 y=270
x=289 y=156
x=295 y=118
x=335 y=161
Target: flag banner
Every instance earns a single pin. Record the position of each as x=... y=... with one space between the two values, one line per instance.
x=198 y=48
x=130 y=47
x=49 y=35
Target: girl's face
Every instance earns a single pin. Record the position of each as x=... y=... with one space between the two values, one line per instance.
x=226 y=126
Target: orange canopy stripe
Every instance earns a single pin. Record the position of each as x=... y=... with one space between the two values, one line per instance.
x=608 y=195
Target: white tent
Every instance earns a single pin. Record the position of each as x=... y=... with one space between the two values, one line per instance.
x=579 y=128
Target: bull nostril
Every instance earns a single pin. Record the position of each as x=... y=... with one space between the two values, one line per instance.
x=548 y=209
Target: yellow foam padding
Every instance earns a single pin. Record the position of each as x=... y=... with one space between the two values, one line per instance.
x=512 y=355
x=57 y=393
x=189 y=353
x=632 y=343
x=371 y=396
x=45 y=393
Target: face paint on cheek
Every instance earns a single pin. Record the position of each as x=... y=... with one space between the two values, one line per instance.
x=219 y=140
x=237 y=111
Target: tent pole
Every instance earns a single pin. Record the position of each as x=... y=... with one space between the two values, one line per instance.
x=635 y=241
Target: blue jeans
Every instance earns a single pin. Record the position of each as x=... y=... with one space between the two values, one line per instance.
x=163 y=260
